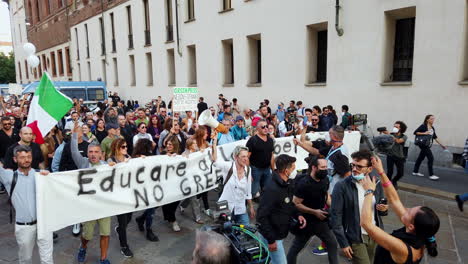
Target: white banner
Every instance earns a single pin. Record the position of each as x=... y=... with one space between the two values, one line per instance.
x=185 y=99
x=67 y=198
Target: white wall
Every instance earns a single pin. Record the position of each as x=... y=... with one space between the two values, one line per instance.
x=355 y=60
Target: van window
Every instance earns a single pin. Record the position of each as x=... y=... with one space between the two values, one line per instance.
x=75 y=93
x=95 y=94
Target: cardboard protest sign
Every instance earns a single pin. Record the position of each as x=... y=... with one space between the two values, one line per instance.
x=185 y=99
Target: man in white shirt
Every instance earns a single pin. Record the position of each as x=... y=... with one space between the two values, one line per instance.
x=237 y=179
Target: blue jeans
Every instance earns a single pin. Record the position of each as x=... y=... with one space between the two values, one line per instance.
x=466 y=166
x=148 y=215
x=241 y=219
x=278 y=256
x=260 y=176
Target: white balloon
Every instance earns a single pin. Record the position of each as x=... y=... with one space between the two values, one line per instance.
x=29 y=49
x=33 y=61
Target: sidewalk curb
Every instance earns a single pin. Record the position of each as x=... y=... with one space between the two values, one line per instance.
x=426 y=191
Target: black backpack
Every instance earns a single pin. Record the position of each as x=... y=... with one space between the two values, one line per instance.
x=12 y=189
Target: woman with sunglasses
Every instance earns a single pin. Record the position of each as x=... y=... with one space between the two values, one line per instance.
x=172 y=149
x=407 y=244
x=142 y=134
x=119 y=154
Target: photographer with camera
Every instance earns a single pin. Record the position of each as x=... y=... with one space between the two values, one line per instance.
x=277 y=211
x=237 y=182
x=396 y=156
x=287 y=127
x=311 y=197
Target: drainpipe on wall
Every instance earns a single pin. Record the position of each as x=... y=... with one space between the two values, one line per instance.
x=177 y=27
x=339 y=30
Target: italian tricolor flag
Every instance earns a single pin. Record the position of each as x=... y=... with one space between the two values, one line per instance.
x=47 y=107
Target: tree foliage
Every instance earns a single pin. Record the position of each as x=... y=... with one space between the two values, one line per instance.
x=7 y=68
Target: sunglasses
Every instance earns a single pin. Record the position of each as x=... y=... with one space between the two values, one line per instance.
x=143 y=127
x=360 y=167
x=123 y=146
x=6 y=124
x=315 y=120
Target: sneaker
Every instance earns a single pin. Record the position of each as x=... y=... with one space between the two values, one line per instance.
x=199 y=221
x=175 y=226
x=433 y=177
x=418 y=174
x=320 y=251
x=76 y=230
x=81 y=255
x=141 y=223
x=182 y=209
x=207 y=212
x=104 y=261
x=459 y=202
x=151 y=236
x=126 y=252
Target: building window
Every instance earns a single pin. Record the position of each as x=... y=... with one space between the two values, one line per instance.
x=60 y=62
x=255 y=59
x=20 y=73
x=190 y=10
x=54 y=69
x=132 y=70
x=103 y=37
x=228 y=61
x=113 y=32
x=67 y=61
x=77 y=45
x=87 y=40
x=316 y=64
x=404 y=50
x=147 y=23
x=171 y=67
x=44 y=63
x=116 y=72
x=79 y=72
x=35 y=73
x=399 y=45
x=169 y=26
x=26 y=68
x=38 y=12
x=47 y=5
x=192 y=65
x=130 y=29
x=89 y=71
x=226 y=5
x=103 y=70
x=149 y=69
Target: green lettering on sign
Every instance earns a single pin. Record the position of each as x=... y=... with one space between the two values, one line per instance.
x=186 y=90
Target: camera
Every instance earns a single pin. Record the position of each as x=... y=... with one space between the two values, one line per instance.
x=381 y=129
x=221 y=212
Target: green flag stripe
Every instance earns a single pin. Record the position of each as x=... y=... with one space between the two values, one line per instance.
x=53 y=102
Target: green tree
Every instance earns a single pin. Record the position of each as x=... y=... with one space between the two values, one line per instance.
x=7 y=68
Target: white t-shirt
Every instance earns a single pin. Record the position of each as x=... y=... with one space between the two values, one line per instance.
x=361 y=193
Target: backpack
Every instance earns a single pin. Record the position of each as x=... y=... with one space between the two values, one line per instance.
x=222 y=183
x=12 y=189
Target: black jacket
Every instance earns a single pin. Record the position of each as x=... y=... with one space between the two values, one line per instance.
x=276 y=209
x=345 y=217
x=66 y=161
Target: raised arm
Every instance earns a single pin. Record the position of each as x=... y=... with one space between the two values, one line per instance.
x=390 y=192
x=80 y=161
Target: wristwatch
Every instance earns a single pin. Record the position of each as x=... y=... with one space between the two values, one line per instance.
x=370 y=191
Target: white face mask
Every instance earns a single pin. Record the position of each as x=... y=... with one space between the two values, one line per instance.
x=293 y=174
x=395 y=130
x=359 y=177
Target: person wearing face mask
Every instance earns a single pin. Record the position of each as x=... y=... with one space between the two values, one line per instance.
x=348 y=199
x=277 y=210
x=396 y=156
x=311 y=197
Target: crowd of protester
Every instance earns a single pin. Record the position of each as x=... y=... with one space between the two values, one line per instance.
x=333 y=199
